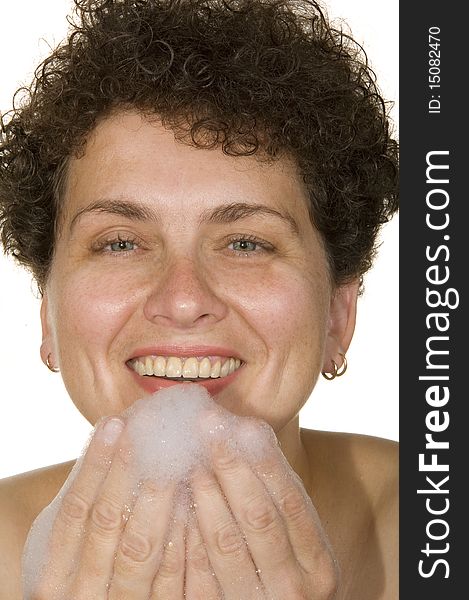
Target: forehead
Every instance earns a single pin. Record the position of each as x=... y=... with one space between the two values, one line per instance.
x=129 y=156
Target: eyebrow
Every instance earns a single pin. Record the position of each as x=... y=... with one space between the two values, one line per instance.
x=236 y=211
x=124 y=208
x=227 y=213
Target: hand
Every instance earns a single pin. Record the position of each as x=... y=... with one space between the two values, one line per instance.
x=254 y=534
x=260 y=537
x=107 y=540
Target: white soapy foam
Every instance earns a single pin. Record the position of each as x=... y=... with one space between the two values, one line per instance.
x=170 y=433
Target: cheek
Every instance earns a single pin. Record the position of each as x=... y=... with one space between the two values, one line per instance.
x=91 y=307
x=286 y=306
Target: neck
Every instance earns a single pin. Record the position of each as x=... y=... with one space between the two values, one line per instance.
x=293 y=448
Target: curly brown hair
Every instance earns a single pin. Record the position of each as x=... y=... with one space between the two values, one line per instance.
x=263 y=77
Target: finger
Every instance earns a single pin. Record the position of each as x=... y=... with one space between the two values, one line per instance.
x=308 y=539
x=260 y=521
x=107 y=519
x=226 y=548
x=141 y=545
x=169 y=580
x=201 y=581
x=79 y=496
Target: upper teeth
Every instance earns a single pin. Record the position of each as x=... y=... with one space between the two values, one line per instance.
x=190 y=368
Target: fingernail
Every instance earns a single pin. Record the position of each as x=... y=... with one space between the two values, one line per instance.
x=111 y=431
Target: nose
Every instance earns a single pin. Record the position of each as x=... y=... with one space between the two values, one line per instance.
x=182 y=297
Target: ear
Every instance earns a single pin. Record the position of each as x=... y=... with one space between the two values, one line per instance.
x=342 y=317
x=47 y=347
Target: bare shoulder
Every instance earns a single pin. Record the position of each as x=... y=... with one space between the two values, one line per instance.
x=358 y=481
x=371 y=459
x=22 y=497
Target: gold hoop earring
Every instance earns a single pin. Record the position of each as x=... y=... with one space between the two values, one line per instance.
x=50 y=366
x=330 y=376
x=338 y=371
x=343 y=366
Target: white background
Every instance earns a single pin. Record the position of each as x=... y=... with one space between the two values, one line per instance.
x=39 y=424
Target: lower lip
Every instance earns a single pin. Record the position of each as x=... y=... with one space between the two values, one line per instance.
x=154 y=384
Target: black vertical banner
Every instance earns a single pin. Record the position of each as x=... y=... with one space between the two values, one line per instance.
x=434 y=270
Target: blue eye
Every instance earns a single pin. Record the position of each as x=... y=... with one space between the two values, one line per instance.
x=122 y=246
x=244 y=246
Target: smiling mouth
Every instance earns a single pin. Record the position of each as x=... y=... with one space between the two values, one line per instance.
x=185 y=369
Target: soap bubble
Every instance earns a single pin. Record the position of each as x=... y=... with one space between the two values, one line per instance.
x=169 y=433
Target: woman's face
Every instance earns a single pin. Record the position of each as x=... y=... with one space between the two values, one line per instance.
x=171 y=258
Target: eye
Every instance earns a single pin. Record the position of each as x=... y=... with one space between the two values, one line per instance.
x=122 y=246
x=116 y=244
x=244 y=245
x=248 y=245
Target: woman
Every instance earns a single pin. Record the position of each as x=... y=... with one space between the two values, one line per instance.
x=192 y=182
